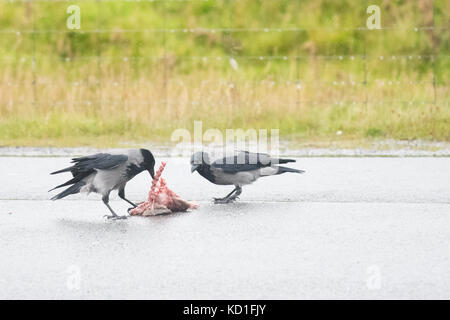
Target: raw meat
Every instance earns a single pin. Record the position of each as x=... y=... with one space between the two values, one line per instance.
x=161 y=200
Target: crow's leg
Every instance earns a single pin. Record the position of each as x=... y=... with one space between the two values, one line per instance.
x=237 y=194
x=229 y=197
x=114 y=216
x=122 y=196
x=217 y=200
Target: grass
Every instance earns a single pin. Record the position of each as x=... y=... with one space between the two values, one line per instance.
x=354 y=122
x=113 y=88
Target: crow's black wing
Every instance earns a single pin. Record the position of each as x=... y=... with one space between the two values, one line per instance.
x=243 y=161
x=99 y=161
x=84 y=166
x=265 y=158
x=102 y=161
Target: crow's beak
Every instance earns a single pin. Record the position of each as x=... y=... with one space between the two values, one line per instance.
x=152 y=173
x=194 y=167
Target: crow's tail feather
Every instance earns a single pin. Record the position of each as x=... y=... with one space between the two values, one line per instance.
x=285 y=160
x=63 y=170
x=75 y=179
x=68 y=183
x=70 y=190
x=286 y=169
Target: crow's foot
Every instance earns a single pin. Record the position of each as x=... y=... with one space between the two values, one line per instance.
x=224 y=200
x=116 y=217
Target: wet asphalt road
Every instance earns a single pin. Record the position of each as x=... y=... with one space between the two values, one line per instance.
x=348 y=228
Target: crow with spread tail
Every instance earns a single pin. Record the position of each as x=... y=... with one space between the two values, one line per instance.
x=103 y=172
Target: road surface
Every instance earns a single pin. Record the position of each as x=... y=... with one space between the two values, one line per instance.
x=347 y=228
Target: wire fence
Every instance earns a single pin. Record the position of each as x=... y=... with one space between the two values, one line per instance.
x=222 y=30
x=231 y=60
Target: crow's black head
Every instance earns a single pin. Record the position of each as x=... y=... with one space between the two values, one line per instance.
x=149 y=162
x=199 y=159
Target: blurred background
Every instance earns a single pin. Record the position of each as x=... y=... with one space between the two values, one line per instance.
x=137 y=70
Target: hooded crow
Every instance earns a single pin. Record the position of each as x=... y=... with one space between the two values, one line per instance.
x=104 y=172
x=241 y=169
